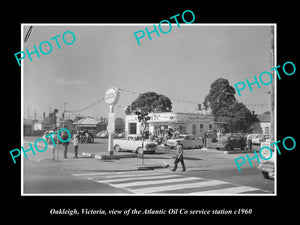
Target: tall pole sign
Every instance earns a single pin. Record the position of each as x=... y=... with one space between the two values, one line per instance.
x=112 y=96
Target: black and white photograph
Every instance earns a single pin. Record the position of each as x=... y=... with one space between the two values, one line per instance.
x=140 y=112
x=174 y=109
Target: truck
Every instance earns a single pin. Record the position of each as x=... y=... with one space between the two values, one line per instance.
x=134 y=143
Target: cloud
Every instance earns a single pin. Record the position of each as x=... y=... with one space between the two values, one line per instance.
x=62 y=81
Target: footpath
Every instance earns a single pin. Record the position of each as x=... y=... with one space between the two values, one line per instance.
x=93 y=160
x=88 y=162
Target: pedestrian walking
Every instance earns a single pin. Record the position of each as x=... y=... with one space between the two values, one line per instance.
x=75 y=141
x=179 y=158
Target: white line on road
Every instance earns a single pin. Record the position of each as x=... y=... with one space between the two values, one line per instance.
x=232 y=190
x=141 y=183
x=135 y=175
x=91 y=174
x=176 y=187
x=115 y=174
x=134 y=178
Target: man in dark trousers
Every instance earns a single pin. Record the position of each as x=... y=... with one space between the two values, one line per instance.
x=65 y=144
x=179 y=158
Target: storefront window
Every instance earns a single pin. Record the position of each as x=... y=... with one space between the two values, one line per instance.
x=132 y=128
x=182 y=129
x=194 y=129
x=267 y=130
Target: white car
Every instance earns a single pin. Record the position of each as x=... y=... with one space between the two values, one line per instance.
x=186 y=140
x=134 y=143
x=257 y=139
x=267 y=164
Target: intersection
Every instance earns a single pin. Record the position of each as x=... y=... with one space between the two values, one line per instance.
x=209 y=172
x=161 y=183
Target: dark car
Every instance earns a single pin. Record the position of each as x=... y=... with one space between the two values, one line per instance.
x=230 y=143
x=102 y=134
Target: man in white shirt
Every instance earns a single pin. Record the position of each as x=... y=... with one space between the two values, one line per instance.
x=75 y=141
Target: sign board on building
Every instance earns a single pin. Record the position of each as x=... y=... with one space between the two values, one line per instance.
x=172 y=117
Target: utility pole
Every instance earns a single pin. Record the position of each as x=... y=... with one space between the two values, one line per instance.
x=142 y=118
x=64 y=114
x=34 y=114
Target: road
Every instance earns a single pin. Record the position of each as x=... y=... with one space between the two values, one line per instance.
x=208 y=172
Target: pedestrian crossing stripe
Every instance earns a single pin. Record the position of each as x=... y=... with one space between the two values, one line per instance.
x=231 y=190
x=166 y=183
x=134 y=178
x=141 y=183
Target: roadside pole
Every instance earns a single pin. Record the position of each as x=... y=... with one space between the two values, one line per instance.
x=111 y=129
x=143 y=127
x=111 y=97
x=142 y=118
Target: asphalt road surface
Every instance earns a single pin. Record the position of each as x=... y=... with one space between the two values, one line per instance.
x=209 y=172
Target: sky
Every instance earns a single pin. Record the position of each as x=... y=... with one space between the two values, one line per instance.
x=181 y=64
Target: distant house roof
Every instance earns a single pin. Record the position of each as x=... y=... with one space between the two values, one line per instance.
x=264 y=118
x=64 y=120
x=27 y=122
x=87 y=121
x=48 y=121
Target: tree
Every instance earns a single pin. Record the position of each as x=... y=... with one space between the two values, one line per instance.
x=225 y=108
x=220 y=96
x=150 y=102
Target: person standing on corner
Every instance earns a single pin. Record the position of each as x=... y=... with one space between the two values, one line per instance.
x=179 y=158
x=65 y=144
x=75 y=141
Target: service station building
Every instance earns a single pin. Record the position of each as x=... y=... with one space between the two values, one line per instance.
x=191 y=123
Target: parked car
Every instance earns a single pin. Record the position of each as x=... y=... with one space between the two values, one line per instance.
x=119 y=135
x=267 y=166
x=230 y=142
x=48 y=139
x=85 y=137
x=257 y=139
x=134 y=143
x=186 y=140
x=55 y=136
x=102 y=134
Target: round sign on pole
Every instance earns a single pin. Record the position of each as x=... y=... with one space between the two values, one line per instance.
x=112 y=96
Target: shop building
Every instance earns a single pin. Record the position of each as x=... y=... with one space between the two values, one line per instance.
x=92 y=125
x=265 y=123
x=191 y=123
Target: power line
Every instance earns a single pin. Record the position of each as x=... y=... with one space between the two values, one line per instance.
x=138 y=93
x=85 y=108
x=192 y=102
x=173 y=99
